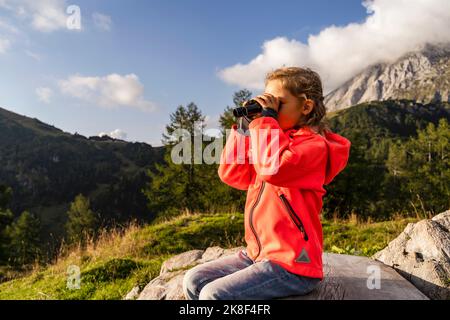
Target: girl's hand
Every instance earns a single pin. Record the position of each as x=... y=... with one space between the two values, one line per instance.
x=267 y=100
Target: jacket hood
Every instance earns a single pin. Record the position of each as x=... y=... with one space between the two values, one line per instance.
x=338 y=154
x=338 y=150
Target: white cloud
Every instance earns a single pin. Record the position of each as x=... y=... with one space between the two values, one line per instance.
x=8 y=27
x=212 y=125
x=33 y=55
x=43 y=15
x=102 y=21
x=44 y=94
x=111 y=91
x=48 y=15
x=116 y=134
x=391 y=29
x=7 y=34
x=5 y=44
x=40 y=15
x=212 y=122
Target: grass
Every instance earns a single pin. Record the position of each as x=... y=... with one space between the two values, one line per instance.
x=361 y=238
x=120 y=260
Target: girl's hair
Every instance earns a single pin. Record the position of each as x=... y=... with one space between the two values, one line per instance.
x=304 y=80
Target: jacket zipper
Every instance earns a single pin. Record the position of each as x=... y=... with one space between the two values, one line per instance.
x=251 y=218
x=294 y=216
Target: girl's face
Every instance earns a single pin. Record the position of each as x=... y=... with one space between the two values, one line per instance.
x=291 y=108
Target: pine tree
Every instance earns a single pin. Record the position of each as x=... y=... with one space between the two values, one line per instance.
x=422 y=168
x=6 y=218
x=82 y=221
x=5 y=196
x=189 y=118
x=176 y=186
x=24 y=238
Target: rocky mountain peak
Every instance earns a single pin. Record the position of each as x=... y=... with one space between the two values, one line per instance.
x=422 y=75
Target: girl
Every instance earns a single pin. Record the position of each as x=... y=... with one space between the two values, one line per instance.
x=283 y=170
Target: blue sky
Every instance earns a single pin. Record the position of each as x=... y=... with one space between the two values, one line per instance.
x=164 y=53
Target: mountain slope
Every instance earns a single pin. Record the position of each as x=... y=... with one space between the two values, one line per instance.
x=423 y=76
x=47 y=168
x=388 y=119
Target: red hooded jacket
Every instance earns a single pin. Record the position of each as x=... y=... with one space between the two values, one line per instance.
x=284 y=172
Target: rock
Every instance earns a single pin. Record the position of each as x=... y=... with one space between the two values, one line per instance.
x=174 y=288
x=133 y=294
x=157 y=288
x=346 y=277
x=415 y=76
x=443 y=220
x=169 y=284
x=421 y=254
x=181 y=260
x=213 y=253
x=349 y=277
x=153 y=292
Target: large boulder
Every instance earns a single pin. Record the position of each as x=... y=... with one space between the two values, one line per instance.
x=169 y=284
x=421 y=254
x=346 y=277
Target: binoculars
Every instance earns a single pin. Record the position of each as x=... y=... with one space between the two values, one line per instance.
x=252 y=108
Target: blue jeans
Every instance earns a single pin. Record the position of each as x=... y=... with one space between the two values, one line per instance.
x=238 y=277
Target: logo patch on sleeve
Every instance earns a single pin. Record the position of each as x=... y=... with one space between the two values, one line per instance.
x=303 y=257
